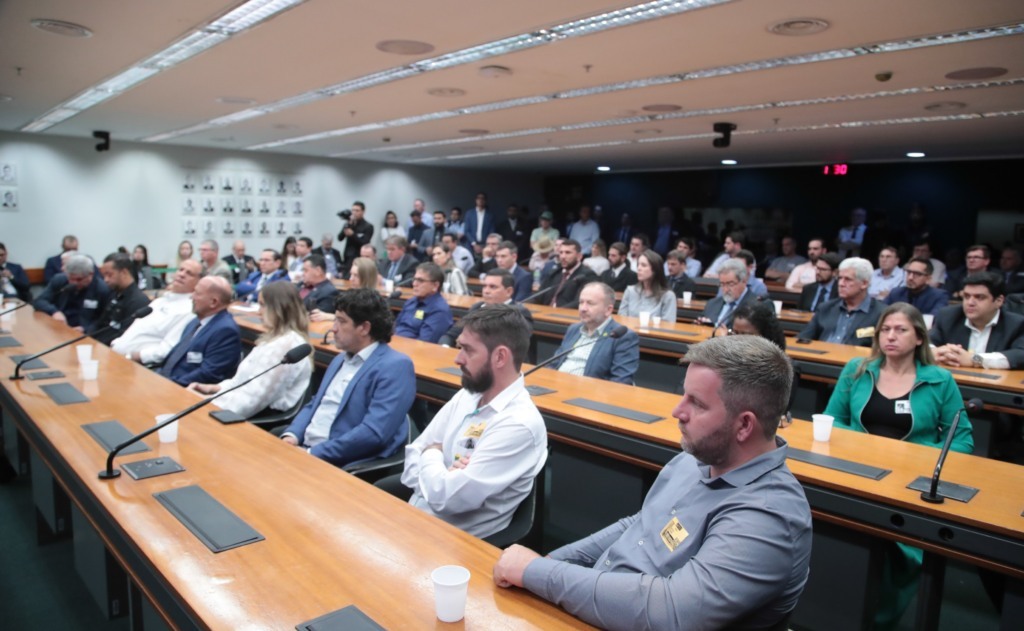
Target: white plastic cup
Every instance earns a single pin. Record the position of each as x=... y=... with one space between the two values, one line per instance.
x=389 y=285
x=822 y=427
x=90 y=369
x=84 y=352
x=778 y=307
x=7 y=317
x=928 y=320
x=451 y=582
x=687 y=297
x=645 y=319
x=168 y=434
x=656 y=320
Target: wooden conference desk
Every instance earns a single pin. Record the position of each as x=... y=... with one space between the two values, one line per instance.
x=331 y=539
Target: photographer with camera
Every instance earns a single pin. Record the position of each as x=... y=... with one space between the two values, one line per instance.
x=356 y=233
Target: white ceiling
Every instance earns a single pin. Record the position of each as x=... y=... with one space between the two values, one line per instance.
x=325 y=42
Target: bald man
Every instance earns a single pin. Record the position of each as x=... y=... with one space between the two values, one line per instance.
x=210 y=347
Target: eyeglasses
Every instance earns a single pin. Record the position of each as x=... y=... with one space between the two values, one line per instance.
x=421 y=280
x=975 y=257
x=914 y=272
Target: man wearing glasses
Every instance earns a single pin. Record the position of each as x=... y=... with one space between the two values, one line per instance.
x=977 y=261
x=426 y=315
x=732 y=280
x=917 y=289
x=818 y=293
x=851 y=319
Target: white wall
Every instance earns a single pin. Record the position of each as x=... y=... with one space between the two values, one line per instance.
x=133 y=193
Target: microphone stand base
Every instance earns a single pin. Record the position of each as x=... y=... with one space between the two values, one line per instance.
x=937 y=499
x=110 y=475
x=16 y=377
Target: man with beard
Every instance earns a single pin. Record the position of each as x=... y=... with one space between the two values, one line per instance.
x=732 y=281
x=477 y=459
x=359 y=411
x=676 y=562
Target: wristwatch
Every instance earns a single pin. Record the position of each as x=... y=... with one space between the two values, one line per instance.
x=976 y=361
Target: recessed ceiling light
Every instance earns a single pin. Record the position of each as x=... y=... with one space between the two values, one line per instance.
x=474 y=132
x=236 y=100
x=60 y=27
x=915 y=154
x=446 y=92
x=404 y=47
x=604 y=169
x=973 y=74
x=799 y=26
x=729 y=162
x=945 y=106
x=495 y=72
x=661 y=107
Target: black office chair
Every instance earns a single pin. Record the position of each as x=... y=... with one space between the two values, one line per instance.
x=522 y=519
x=270 y=419
x=1014 y=303
x=373 y=470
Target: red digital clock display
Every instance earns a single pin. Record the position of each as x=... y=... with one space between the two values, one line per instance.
x=836 y=169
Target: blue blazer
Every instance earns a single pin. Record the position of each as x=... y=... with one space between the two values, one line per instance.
x=52 y=268
x=523 y=283
x=469 y=220
x=248 y=285
x=219 y=348
x=370 y=422
x=610 y=359
x=19 y=279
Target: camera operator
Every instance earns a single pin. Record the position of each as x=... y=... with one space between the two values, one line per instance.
x=357 y=232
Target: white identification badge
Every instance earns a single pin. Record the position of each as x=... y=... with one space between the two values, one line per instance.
x=90 y=304
x=903 y=407
x=194 y=357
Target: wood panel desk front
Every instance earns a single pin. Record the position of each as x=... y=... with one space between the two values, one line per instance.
x=331 y=539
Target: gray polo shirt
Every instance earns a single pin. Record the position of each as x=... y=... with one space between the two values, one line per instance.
x=702 y=553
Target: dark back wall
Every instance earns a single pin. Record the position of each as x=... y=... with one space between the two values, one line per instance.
x=952 y=193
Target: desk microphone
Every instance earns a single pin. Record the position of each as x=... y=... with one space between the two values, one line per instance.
x=141 y=313
x=932 y=496
x=23 y=304
x=395 y=295
x=536 y=295
x=293 y=356
x=615 y=333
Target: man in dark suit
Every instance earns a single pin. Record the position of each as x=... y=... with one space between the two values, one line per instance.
x=565 y=283
x=210 y=347
x=624 y=233
x=618 y=276
x=486 y=260
x=815 y=294
x=316 y=290
x=356 y=233
x=125 y=298
x=399 y=265
x=732 y=280
x=498 y=289
x=13 y=279
x=77 y=296
x=241 y=264
x=850 y=318
x=604 y=357
x=479 y=222
x=1012 y=269
x=269 y=271
x=330 y=253
x=958 y=329
x=54 y=264
x=666 y=235
x=359 y=411
x=917 y=291
x=678 y=280
x=507 y=259
x=514 y=229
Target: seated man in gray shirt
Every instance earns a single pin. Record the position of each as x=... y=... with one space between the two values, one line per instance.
x=723 y=539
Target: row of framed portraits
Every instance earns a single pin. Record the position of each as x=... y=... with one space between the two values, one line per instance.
x=234 y=228
x=8 y=186
x=263 y=185
x=230 y=206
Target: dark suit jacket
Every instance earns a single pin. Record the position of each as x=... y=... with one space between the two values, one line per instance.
x=333 y=253
x=119 y=314
x=625 y=278
x=827 y=316
x=714 y=306
x=931 y=300
x=243 y=270
x=808 y=293
x=1007 y=336
x=406 y=267
x=321 y=297
x=469 y=219
x=362 y=233
x=455 y=331
x=610 y=359
x=212 y=354
x=19 y=279
x=523 y=283
x=520 y=236
x=82 y=308
x=569 y=296
x=481 y=267
x=248 y=285
x=52 y=268
x=681 y=284
x=370 y=422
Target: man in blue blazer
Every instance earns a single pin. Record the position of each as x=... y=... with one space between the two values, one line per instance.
x=13 y=279
x=359 y=411
x=507 y=259
x=479 y=223
x=606 y=358
x=269 y=272
x=76 y=296
x=54 y=264
x=210 y=347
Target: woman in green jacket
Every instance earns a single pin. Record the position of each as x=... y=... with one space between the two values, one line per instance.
x=900 y=393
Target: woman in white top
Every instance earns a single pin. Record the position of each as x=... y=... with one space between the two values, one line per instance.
x=598 y=259
x=391 y=227
x=651 y=292
x=287 y=324
x=454 y=278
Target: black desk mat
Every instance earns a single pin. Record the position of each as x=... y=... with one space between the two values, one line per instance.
x=838 y=464
x=350 y=618
x=9 y=342
x=32 y=365
x=633 y=415
x=953 y=491
x=64 y=393
x=208 y=519
x=451 y=370
x=812 y=351
x=110 y=434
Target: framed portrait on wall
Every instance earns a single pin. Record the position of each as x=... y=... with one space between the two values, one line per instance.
x=8 y=174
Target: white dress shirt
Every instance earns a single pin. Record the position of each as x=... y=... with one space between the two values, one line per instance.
x=803 y=274
x=279 y=389
x=979 y=343
x=155 y=335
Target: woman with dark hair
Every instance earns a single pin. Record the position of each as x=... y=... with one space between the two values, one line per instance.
x=143 y=271
x=288 y=253
x=756 y=318
x=454 y=278
x=651 y=292
x=391 y=227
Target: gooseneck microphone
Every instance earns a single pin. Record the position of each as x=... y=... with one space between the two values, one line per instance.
x=536 y=295
x=931 y=495
x=293 y=356
x=22 y=305
x=141 y=313
x=615 y=333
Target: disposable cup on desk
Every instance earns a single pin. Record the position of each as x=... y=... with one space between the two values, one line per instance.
x=822 y=427
x=84 y=352
x=656 y=320
x=778 y=307
x=687 y=298
x=167 y=434
x=451 y=582
x=389 y=285
x=90 y=369
x=645 y=319
x=928 y=320
x=7 y=306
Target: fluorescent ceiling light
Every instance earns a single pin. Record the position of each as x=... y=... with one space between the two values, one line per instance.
x=728 y=162
x=915 y=154
x=220 y=30
x=604 y=169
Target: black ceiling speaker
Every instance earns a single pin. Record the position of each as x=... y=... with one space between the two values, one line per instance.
x=726 y=130
x=104 y=140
